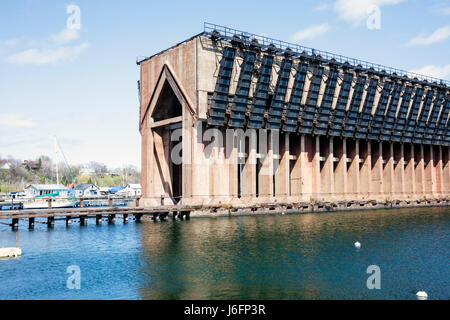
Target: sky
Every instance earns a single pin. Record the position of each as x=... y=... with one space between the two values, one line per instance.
x=68 y=68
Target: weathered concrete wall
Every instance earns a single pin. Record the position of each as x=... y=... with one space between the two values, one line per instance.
x=296 y=167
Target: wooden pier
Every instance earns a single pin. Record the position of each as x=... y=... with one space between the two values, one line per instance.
x=98 y=213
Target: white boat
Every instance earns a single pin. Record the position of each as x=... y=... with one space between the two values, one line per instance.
x=43 y=203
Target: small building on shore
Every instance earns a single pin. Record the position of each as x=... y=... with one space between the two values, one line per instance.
x=46 y=190
x=86 y=190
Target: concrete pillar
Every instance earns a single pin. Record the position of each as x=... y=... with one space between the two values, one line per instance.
x=388 y=170
x=439 y=171
x=446 y=170
x=419 y=170
x=399 y=171
x=296 y=149
x=429 y=171
x=326 y=172
x=266 y=172
x=409 y=174
x=231 y=160
x=282 y=191
x=377 y=170
x=218 y=170
x=365 y=170
x=248 y=179
x=199 y=168
x=340 y=167
x=316 y=164
x=353 y=164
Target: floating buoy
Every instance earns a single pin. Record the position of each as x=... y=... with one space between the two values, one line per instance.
x=422 y=295
x=10 y=252
x=357 y=244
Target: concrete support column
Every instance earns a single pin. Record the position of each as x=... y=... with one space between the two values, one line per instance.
x=231 y=159
x=316 y=167
x=200 y=176
x=248 y=180
x=377 y=170
x=296 y=149
x=340 y=167
x=419 y=170
x=439 y=170
x=365 y=170
x=399 y=171
x=446 y=170
x=218 y=170
x=326 y=172
x=409 y=174
x=353 y=177
x=430 y=176
x=388 y=170
x=266 y=172
x=282 y=191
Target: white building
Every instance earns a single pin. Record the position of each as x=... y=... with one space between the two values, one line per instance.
x=86 y=190
x=42 y=190
x=131 y=190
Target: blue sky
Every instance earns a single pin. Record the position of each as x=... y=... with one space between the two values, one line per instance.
x=80 y=85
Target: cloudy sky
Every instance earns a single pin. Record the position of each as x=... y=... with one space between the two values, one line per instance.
x=76 y=79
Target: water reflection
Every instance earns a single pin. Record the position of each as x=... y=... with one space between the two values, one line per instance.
x=308 y=256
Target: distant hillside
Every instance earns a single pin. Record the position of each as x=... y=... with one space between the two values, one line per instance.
x=16 y=174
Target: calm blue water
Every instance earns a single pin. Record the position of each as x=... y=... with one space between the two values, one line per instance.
x=302 y=256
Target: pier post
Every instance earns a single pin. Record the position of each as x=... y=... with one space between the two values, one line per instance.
x=49 y=203
x=111 y=218
x=68 y=221
x=125 y=218
x=81 y=202
x=30 y=223
x=110 y=202
x=137 y=201
x=83 y=220
x=51 y=221
x=138 y=217
x=15 y=223
x=98 y=219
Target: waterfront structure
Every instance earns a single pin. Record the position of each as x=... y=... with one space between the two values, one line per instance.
x=131 y=190
x=45 y=190
x=257 y=120
x=86 y=190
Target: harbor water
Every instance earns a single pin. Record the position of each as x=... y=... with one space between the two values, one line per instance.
x=295 y=256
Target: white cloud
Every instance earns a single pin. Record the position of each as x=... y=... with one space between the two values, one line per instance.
x=310 y=32
x=355 y=11
x=65 y=36
x=47 y=56
x=434 y=71
x=13 y=120
x=439 y=35
x=322 y=7
x=443 y=11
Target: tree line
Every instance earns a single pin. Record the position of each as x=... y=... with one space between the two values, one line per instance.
x=16 y=175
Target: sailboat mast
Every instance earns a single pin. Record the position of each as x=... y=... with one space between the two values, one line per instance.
x=56 y=161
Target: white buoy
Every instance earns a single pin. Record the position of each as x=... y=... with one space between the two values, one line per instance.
x=422 y=295
x=10 y=252
x=357 y=244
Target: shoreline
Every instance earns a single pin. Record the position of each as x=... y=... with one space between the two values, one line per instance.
x=210 y=211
